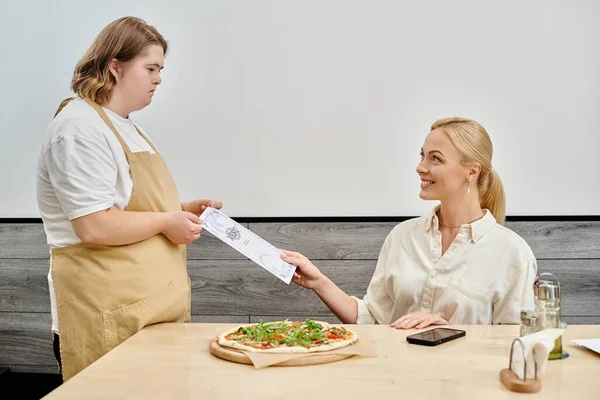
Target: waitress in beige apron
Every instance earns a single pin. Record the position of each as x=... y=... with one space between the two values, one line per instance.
x=106 y=293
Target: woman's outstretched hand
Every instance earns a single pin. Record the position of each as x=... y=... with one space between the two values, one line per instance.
x=306 y=275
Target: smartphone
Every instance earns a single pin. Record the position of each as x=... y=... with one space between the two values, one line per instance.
x=435 y=336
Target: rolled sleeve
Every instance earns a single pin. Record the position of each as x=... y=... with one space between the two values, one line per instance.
x=364 y=315
x=377 y=304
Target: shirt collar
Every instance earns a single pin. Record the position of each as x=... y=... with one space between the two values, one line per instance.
x=475 y=230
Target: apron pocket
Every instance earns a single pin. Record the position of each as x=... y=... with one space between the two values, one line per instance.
x=170 y=304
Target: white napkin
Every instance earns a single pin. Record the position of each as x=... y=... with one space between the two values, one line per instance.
x=592 y=344
x=543 y=343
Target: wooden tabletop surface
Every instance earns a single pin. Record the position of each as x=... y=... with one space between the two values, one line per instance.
x=172 y=361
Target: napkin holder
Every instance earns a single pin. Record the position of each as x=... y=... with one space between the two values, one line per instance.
x=512 y=381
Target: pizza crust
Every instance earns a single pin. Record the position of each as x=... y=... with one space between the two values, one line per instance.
x=286 y=349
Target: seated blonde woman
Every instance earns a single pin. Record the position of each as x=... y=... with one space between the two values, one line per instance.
x=457 y=264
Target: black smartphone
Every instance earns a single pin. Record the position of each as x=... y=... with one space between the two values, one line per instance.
x=435 y=336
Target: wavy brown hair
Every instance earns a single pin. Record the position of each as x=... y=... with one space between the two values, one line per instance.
x=475 y=146
x=123 y=39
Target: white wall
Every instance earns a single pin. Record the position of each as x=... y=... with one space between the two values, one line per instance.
x=319 y=108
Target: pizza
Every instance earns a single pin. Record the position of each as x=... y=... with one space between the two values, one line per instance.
x=287 y=337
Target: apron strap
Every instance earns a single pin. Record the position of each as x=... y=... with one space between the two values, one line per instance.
x=147 y=140
x=108 y=122
x=62 y=105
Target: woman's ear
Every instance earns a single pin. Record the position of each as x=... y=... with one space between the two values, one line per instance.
x=115 y=68
x=474 y=171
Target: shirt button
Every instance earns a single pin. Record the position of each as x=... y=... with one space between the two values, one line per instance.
x=434 y=274
x=435 y=246
x=426 y=305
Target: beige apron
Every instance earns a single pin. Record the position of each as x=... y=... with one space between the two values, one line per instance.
x=105 y=294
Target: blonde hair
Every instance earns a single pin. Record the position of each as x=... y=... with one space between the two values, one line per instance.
x=123 y=39
x=475 y=146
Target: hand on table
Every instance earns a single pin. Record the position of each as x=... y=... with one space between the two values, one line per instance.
x=418 y=320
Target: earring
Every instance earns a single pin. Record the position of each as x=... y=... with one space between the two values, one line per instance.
x=469 y=187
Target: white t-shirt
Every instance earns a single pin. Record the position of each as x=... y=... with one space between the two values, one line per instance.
x=82 y=169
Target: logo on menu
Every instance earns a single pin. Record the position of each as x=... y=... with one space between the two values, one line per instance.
x=233 y=233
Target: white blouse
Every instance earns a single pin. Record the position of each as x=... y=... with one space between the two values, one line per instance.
x=485 y=277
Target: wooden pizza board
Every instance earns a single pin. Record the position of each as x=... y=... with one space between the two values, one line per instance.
x=238 y=356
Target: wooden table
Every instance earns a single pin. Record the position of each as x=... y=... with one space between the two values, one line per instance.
x=172 y=361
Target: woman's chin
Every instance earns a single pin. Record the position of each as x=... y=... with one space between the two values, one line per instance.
x=423 y=194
